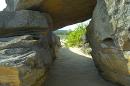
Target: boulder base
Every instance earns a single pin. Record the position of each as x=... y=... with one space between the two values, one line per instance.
x=24 y=60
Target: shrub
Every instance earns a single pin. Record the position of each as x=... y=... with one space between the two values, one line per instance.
x=74 y=37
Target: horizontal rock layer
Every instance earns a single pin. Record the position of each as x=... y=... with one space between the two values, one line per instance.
x=23 y=21
x=109 y=38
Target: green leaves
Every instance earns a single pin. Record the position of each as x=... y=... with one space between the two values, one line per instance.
x=74 y=37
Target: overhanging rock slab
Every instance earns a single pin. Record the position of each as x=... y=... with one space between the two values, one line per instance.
x=63 y=12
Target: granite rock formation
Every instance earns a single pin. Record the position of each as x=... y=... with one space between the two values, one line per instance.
x=109 y=37
x=25 y=59
x=69 y=11
x=24 y=21
x=27 y=46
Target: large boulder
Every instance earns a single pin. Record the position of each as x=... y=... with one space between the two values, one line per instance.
x=24 y=60
x=21 y=22
x=109 y=37
x=63 y=12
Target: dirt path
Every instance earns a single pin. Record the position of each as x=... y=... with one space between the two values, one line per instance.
x=73 y=68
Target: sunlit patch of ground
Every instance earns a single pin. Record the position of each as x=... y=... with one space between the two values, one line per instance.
x=79 y=52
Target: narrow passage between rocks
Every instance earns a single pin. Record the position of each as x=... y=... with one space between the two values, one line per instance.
x=73 y=68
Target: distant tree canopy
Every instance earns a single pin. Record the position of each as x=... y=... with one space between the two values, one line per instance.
x=74 y=38
x=61 y=32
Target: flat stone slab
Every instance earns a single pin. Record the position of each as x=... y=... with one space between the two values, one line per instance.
x=23 y=21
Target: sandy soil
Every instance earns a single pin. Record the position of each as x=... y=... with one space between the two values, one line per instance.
x=73 y=68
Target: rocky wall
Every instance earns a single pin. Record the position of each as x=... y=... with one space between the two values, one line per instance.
x=24 y=60
x=109 y=37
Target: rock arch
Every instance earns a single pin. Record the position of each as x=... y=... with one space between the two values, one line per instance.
x=109 y=28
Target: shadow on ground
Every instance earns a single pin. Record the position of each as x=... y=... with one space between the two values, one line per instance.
x=72 y=69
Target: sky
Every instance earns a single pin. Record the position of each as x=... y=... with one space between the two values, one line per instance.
x=70 y=27
x=2 y=4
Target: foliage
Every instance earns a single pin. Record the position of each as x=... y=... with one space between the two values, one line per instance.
x=74 y=37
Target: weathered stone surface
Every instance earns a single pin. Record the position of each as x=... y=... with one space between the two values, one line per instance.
x=13 y=5
x=109 y=38
x=69 y=11
x=23 y=21
x=63 y=12
x=24 y=60
x=54 y=43
x=9 y=76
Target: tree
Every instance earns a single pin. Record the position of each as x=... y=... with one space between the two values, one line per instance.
x=74 y=37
